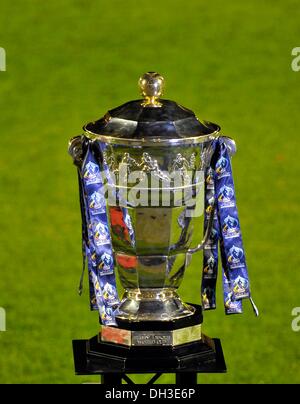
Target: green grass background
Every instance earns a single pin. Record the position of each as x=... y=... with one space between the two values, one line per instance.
x=70 y=61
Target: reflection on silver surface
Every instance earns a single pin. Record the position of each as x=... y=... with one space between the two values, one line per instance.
x=157 y=304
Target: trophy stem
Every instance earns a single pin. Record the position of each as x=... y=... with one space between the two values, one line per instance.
x=155 y=304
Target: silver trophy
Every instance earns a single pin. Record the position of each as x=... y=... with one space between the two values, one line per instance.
x=156 y=153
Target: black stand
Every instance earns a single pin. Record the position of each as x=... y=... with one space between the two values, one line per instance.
x=114 y=361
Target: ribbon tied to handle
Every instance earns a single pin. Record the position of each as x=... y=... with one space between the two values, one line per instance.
x=225 y=234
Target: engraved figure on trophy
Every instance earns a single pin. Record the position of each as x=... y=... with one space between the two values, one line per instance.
x=109 y=160
x=182 y=167
x=150 y=166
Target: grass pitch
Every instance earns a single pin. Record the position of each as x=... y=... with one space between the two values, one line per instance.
x=70 y=61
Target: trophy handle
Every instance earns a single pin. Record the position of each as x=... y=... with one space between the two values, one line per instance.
x=207 y=232
x=230 y=144
x=76 y=148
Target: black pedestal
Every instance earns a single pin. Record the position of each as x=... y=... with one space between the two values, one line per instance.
x=113 y=362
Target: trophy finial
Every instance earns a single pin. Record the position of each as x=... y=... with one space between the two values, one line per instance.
x=151 y=85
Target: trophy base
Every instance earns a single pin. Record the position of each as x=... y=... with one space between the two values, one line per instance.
x=152 y=304
x=155 y=333
x=150 y=347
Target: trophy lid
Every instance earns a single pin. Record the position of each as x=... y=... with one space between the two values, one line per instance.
x=152 y=120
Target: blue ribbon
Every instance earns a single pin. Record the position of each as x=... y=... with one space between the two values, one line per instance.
x=226 y=233
x=96 y=238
